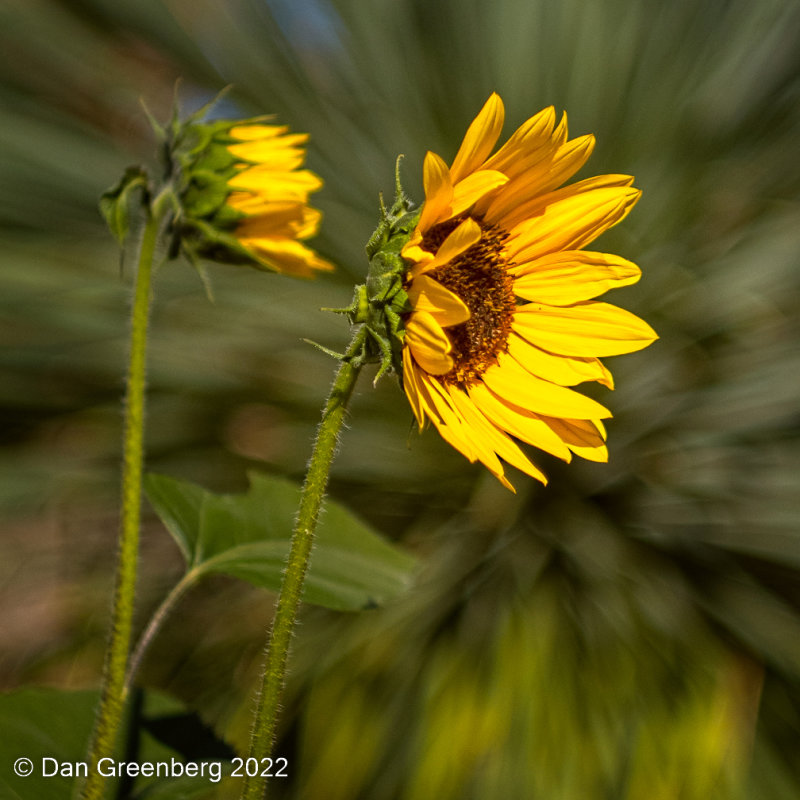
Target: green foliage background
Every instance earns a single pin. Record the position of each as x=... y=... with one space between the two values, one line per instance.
x=631 y=631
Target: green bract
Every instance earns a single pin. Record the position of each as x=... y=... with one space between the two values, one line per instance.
x=196 y=166
x=381 y=303
x=199 y=166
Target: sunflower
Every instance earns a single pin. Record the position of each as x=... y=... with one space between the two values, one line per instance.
x=502 y=319
x=245 y=196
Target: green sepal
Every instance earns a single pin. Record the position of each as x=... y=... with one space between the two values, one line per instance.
x=227 y=217
x=382 y=304
x=158 y=129
x=358 y=310
x=177 y=125
x=200 y=167
x=205 y=195
x=194 y=259
x=216 y=158
x=210 y=242
x=326 y=350
x=116 y=204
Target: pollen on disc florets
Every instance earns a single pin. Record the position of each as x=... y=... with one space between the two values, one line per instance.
x=480 y=277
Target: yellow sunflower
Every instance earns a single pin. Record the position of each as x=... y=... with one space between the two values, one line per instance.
x=271 y=192
x=503 y=319
x=244 y=196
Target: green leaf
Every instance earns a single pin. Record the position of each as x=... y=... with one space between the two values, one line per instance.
x=115 y=203
x=39 y=724
x=247 y=536
x=51 y=727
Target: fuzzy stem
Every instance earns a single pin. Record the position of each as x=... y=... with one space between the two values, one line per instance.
x=266 y=716
x=109 y=716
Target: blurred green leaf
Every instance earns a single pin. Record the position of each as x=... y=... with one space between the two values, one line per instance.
x=40 y=724
x=248 y=536
x=37 y=724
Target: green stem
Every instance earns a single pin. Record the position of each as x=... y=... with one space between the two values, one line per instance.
x=153 y=627
x=109 y=716
x=265 y=722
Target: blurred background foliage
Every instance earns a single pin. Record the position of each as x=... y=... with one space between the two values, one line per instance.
x=632 y=630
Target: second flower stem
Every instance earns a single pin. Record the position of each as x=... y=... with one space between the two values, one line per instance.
x=294 y=576
x=109 y=716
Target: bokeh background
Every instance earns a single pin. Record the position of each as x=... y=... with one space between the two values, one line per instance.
x=632 y=630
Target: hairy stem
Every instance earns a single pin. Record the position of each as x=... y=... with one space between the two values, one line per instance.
x=265 y=721
x=109 y=716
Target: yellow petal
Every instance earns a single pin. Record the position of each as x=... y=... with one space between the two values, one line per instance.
x=563 y=370
x=466 y=436
x=413 y=252
x=570 y=223
x=479 y=140
x=438 y=191
x=252 y=204
x=293 y=220
x=585 y=438
x=598 y=454
x=411 y=386
x=532 y=135
x=518 y=422
x=493 y=440
x=572 y=276
x=310 y=223
x=516 y=216
x=447 y=420
x=286 y=158
x=429 y=343
x=287 y=255
x=513 y=383
x=277 y=219
x=473 y=188
x=247 y=132
x=427 y=294
x=280 y=161
x=277 y=185
x=585 y=329
x=560 y=132
x=568 y=159
x=536 y=176
x=294 y=140
x=588 y=184
x=461 y=239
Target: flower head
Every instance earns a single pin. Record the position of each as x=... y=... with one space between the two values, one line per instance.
x=234 y=190
x=502 y=318
x=244 y=196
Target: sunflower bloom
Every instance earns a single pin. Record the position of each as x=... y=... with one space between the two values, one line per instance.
x=503 y=319
x=244 y=195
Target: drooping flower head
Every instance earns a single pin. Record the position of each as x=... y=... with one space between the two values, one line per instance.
x=237 y=190
x=502 y=318
x=245 y=196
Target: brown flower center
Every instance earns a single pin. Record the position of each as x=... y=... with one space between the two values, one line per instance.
x=479 y=276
